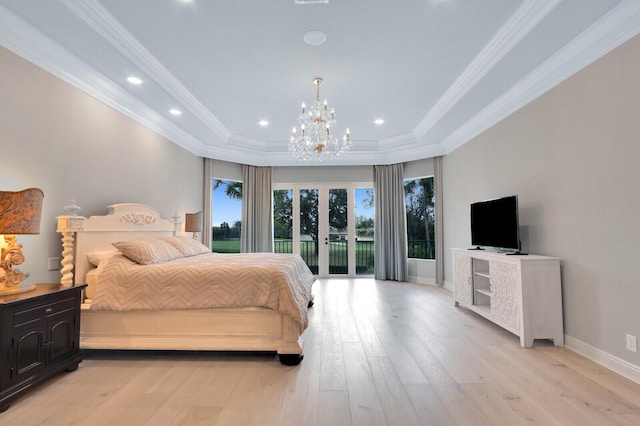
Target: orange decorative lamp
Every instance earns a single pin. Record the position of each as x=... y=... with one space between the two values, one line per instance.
x=19 y=215
x=193 y=223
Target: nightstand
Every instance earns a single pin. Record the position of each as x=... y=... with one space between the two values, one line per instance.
x=39 y=337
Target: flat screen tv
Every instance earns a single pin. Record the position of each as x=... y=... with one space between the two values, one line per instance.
x=494 y=224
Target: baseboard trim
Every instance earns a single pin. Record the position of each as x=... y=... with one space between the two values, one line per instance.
x=613 y=363
x=422 y=280
x=448 y=285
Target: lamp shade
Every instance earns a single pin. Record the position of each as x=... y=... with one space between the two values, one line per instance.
x=20 y=211
x=193 y=222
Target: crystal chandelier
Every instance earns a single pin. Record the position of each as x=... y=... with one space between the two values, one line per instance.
x=316 y=140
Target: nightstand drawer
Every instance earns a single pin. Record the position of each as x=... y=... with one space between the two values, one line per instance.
x=37 y=313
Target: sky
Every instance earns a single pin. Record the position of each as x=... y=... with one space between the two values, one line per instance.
x=225 y=209
x=229 y=210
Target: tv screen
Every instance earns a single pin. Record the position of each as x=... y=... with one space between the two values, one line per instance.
x=494 y=223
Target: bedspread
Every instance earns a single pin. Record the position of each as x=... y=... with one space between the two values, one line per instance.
x=276 y=281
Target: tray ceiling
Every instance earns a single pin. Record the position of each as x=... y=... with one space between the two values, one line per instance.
x=438 y=72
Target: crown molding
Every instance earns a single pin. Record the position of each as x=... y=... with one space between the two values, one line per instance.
x=525 y=19
x=609 y=32
x=396 y=142
x=418 y=151
x=103 y=23
x=247 y=143
x=283 y=158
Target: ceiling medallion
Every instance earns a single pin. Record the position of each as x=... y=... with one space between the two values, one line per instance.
x=316 y=140
x=314 y=37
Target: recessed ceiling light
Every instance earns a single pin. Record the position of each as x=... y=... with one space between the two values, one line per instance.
x=134 y=80
x=379 y=121
x=175 y=111
x=314 y=37
x=263 y=123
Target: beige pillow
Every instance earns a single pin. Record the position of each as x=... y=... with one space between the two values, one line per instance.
x=148 y=251
x=187 y=246
x=95 y=257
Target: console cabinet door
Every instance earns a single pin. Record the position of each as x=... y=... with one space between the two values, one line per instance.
x=28 y=354
x=504 y=293
x=463 y=282
x=61 y=342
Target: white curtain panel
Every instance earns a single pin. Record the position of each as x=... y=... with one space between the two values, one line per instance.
x=256 y=235
x=390 y=253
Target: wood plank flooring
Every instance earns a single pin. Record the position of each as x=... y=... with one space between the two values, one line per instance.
x=376 y=353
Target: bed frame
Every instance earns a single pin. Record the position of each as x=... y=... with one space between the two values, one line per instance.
x=237 y=329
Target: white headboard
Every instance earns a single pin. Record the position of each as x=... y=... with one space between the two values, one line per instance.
x=122 y=222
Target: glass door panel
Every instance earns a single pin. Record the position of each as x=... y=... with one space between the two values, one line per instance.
x=337 y=240
x=308 y=228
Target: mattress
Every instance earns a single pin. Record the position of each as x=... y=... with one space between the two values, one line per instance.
x=212 y=280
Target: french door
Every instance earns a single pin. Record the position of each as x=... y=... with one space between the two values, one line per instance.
x=323 y=228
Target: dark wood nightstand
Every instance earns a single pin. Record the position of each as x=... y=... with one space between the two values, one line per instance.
x=39 y=337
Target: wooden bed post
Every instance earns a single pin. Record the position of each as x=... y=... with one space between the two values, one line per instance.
x=68 y=226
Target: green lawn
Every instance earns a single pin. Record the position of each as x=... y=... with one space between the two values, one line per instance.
x=337 y=253
x=226 y=246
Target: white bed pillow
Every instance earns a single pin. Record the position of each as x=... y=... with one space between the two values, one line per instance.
x=148 y=251
x=187 y=246
x=95 y=257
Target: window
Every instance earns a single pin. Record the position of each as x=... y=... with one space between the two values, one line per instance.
x=419 y=200
x=226 y=216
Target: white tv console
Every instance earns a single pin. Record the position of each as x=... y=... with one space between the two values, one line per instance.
x=520 y=293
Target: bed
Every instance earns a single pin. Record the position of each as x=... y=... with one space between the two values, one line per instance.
x=154 y=299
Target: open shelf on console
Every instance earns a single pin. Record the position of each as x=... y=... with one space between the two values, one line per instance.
x=481 y=283
x=483 y=291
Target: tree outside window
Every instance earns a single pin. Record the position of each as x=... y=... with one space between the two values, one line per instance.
x=419 y=200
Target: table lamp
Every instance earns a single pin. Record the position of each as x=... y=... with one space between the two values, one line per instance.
x=193 y=223
x=19 y=215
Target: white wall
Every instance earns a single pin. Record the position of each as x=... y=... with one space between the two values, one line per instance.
x=323 y=174
x=61 y=140
x=226 y=170
x=572 y=158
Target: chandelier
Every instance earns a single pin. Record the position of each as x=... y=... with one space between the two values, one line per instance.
x=316 y=140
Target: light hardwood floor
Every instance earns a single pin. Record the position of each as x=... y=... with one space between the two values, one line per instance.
x=376 y=353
